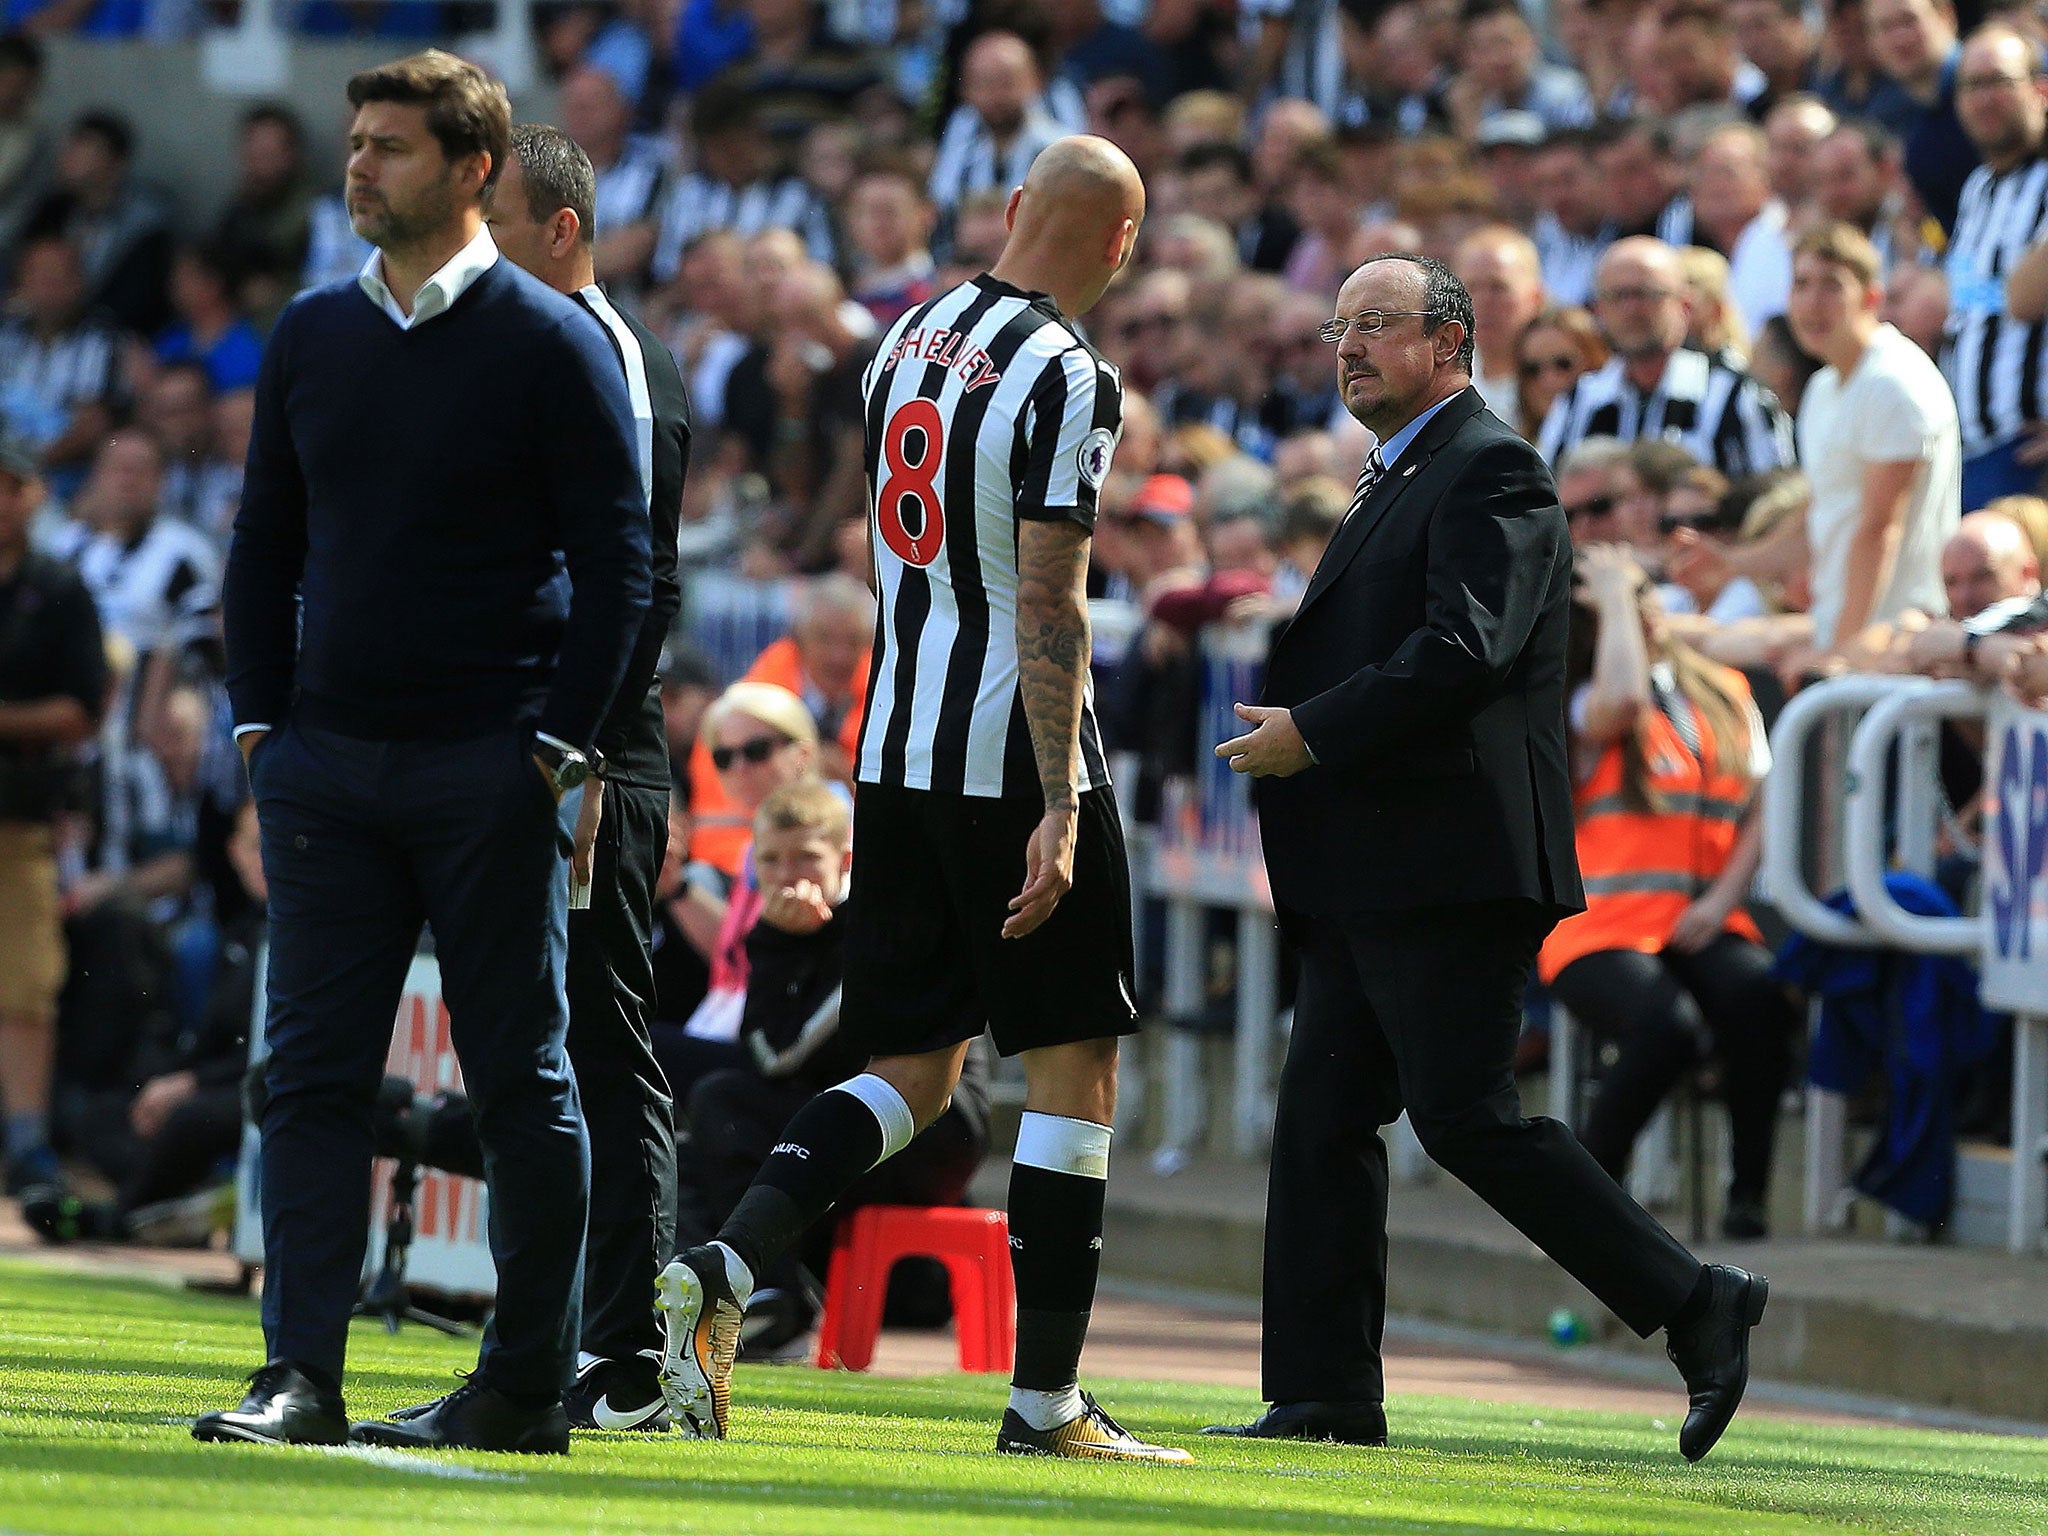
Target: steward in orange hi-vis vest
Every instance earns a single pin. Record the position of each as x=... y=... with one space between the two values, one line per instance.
x=1643 y=868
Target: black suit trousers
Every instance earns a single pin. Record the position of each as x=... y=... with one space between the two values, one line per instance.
x=625 y=1096
x=1420 y=1010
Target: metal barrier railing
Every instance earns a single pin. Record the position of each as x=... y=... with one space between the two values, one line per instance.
x=1883 y=756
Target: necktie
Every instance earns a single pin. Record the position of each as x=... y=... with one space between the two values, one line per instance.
x=1368 y=477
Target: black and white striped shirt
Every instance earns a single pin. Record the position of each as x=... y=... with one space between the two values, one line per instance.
x=1312 y=67
x=1707 y=405
x=969 y=158
x=43 y=383
x=1568 y=261
x=1994 y=363
x=696 y=205
x=984 y=407
x=629 y=189
x=156 y=590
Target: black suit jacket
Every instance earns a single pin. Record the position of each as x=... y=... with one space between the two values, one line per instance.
x=1425 y=670
x=632 y=739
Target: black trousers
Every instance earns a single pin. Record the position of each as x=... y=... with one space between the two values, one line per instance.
x=1420 y=1010
x=363 y=841
x=1665 y=1013
x=625 y=1096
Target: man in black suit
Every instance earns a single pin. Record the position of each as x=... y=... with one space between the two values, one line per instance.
x=1416 y=808
x=542 y=215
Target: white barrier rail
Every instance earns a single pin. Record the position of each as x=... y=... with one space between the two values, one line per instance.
x=1891 y=809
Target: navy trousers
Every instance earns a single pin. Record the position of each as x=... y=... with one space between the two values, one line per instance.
x=363 y=841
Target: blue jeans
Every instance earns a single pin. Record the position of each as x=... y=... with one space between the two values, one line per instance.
x=363 y=841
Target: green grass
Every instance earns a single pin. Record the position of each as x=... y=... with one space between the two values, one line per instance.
x=98 y=1380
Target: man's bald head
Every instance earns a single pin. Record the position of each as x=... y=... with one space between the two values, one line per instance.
x=1082 y=169
x=1988 y=559
x=1639 y=297
x=1073 y=222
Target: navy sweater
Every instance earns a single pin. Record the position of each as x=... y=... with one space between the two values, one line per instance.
x=424 y=492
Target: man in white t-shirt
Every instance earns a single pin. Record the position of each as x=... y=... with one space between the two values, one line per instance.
x=1878 y=438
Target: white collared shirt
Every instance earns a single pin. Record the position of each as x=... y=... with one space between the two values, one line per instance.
x=438 y=293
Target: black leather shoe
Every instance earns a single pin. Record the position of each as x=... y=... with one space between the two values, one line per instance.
x=474 y=1417
x=1712 y=1354
x=1355 y=1423
x=282 y=1408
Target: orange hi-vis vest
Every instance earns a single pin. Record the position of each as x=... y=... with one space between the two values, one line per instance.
x=720 y=830
x=1642 y=871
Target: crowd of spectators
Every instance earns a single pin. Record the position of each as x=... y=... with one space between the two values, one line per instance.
x=1764 y=279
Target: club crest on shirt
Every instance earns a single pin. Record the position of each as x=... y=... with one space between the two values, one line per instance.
x=1092 y=458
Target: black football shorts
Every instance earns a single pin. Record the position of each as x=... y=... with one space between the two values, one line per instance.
x=926 y=963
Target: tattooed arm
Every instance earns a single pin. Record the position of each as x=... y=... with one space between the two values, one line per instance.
x=1052 y=671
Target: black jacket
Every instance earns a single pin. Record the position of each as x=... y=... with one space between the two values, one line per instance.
x=631 y=737
x=1425 y=670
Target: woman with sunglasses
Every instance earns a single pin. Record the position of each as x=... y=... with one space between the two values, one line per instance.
x=1554 y=349
x=760 y=737
x=1668 y=752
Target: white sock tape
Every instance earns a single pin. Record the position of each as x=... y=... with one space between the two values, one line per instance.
x=881 y=1097
x=1060 y=1145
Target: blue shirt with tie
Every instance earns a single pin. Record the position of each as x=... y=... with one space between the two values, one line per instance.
x=1392 y=449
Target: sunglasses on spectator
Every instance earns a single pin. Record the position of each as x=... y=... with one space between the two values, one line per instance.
x=753 y=752
x=1535 y=367
x=1138 y=324
x=1592 y=506
x=1670 y=522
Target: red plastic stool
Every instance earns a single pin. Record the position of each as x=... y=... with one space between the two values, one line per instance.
x=974 y=1245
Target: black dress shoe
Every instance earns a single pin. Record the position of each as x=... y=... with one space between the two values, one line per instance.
x=474 y=1417
x=1712 y=1354
x=283 y=1408
x=1353 y=1423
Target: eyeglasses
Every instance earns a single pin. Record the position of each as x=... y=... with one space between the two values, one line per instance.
x=1367 y=322
x=1990 y=82
x=754 y=752
x=1535 y=367
x=1138 y=324
x=1634 y=295
x=1669 y=523
x=1592 y=506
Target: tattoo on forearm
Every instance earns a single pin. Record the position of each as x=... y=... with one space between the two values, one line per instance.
x=1053 y=649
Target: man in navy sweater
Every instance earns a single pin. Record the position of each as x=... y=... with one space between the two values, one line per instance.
x=439 y=570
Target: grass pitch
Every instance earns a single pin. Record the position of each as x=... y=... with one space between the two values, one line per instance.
x=99 y=1380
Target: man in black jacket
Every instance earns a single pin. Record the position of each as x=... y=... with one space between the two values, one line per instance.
x=53 y=683
x=1416 y=808
x=542 y=217
x=437 y=445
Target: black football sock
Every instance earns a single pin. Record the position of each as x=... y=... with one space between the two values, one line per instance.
x=1057 y=1185
x=826 y=1146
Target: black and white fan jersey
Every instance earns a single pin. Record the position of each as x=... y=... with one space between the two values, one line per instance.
x=1997 y=366
x=985 y=407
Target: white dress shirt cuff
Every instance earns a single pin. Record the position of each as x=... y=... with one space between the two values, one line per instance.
x=243 y=730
